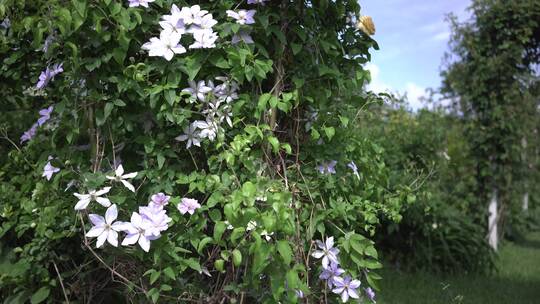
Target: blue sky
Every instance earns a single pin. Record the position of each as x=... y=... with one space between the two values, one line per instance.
x=413 y=37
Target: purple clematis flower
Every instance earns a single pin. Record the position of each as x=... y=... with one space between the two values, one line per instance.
x=328 y=253
x=242 y=16
x=242 y=36
x=330 y=273
x=158 y=221
x=29 y=134
x=49 y=170
x=188 y=205
x=46 y=76
x=160 y=199
x=346 y=287
x=45 y=115
x=327 y=167
x=370 y=294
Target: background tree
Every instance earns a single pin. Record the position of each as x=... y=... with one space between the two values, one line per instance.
x=492 y=73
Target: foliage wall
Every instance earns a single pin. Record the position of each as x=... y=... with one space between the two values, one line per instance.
x=203 y=154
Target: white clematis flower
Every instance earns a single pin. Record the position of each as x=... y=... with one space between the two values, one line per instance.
x=204 y=39
x=119 y=176
x=93 y=195
x=105 y=229
x=166 y=45
x=136 y=232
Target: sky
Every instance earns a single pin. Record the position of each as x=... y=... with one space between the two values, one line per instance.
x=413 y=37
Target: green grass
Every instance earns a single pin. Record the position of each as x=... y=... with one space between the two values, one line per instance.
x=516 y=282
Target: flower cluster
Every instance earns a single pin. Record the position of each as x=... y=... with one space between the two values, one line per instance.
x=50 y=72
x=188 y=20
x=144 y=226
x=45 y=115
x=329 y=167
x=345 y=286
x=216 y=102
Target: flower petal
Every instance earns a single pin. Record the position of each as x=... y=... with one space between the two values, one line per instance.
x=330 y=242
x=102 y=191
x=82 y=204
x=112 y=238
x=119 y=170
x=95 y=231
x=317 y=254
x=131 y=239
x=144 y=243
x=101 y=239
x=352 y=293
x=345 y=297
x=96 y=219
x=111 y=214
x=128 y=185
x=354 y=284
x=129 y=175
x=105 y=202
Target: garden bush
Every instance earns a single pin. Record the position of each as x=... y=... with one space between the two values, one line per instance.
x=444 y=230
x=209 y=151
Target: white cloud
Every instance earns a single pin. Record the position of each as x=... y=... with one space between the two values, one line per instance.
x=442 y=36
x=415 y=93
x=376 y=85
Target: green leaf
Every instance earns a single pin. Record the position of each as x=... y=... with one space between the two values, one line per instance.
x=160 y=160
x=170 y=96
x=40 y=295
x=108 y=109
x=219 y=265
x=154 y=276
x=249 y=189
x=330 y=132
x=285 y=251
x=237 y=257
x=219 y=228
x=263 y=101
x=165 y=287
x=119 y=55
x=193 y=264
x=80 y=6
x=296 y=48
x=275 y=143
x=169 y=272
x=203 y=243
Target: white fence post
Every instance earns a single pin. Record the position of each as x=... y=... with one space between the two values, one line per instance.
x=493 y=236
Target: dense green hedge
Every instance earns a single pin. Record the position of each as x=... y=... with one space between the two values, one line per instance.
x=253 y=145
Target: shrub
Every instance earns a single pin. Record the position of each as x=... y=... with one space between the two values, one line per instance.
x=235 y=156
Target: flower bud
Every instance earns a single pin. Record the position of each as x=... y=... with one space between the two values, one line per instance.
x=366 y=25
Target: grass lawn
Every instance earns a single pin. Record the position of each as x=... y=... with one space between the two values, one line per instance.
x=516 y=282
